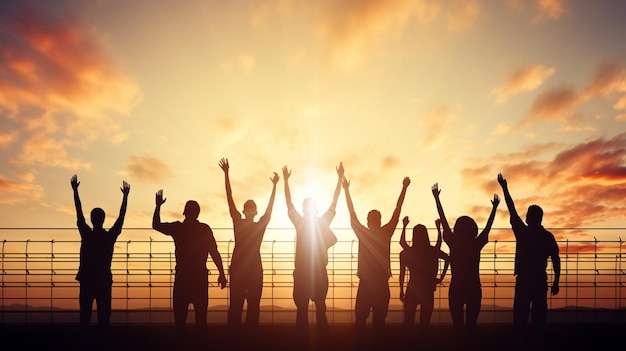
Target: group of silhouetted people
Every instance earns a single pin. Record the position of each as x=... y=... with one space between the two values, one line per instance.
x=194 y=242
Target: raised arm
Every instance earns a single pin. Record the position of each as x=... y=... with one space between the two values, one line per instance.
x=80 y=217
x=156 y=217
x=507 y=196
x=117 y=227
x=346 y=190
x=286 y=175
x=270 y=204
x=447 y=232
x=484 y=235
x=340 y=172
x=224 y=165
x=403 y=243
x=396 y=213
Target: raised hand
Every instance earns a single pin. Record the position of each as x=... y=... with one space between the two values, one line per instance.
x=501 y=180
x=125 y=188
x=275 y=178
x=340 y=170
x=405 y=221
x=224 y=165
x=345 y=183
x=74 y=182
x=496 y=200
x=436 y=191
x=406 y=181
x=286 y=173
x=159 y=197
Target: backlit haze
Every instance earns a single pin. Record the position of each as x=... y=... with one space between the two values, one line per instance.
x=156 y=92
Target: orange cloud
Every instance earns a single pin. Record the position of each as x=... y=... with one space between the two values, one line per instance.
x=147 y=169
x=57 y=79
x=58 y=88
x=608 y=79
x=582 y=185
x=551 y=9
x=462 y=14
x=18 y=191
x=389 y=162
x=525 y=79
x=561 y=103
x=354 y=27
x=555 y=104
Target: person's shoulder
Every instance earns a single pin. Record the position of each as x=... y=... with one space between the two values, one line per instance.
x=390 y=228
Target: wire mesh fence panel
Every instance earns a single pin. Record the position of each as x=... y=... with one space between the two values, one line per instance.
x=38 y=282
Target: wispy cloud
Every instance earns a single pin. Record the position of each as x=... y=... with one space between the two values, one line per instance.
x=543 y=9
x=58 y=89
x=56 y=74
x=19 y=190
x=581 y=185
x=525 y=79
x=462 y=14
x=550 y=9
x=436 y=126
x=353 y=28
x=561 y=103
x=148 y=169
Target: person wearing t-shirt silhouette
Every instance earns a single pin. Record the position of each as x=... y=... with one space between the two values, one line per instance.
x=534 y=245
x=246 y=269
x=422 y=261
x=465 y=244
x=193 y=241
x=374 y=267
x=313 y=239
x=96 y=253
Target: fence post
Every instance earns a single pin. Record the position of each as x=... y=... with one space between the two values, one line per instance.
x=52 y=273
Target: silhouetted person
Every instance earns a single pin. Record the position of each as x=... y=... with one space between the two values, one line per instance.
x=246 y=269
x=465 y=245
x=96 y=253
x=374 y=268
x=193 y=242
x=534 y=244
x=313 y=239
x=422 y=261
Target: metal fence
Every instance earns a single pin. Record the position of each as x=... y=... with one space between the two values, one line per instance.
x=38 y=280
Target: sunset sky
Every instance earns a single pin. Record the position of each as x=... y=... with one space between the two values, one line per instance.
x=156 y=92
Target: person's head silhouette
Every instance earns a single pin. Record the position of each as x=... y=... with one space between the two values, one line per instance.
x=192 y=210
x=420 y=236
x=465 y=228
x=97 y=217
x=373 y=219
x=309 y=207
x=249 y=209
x=534 y=216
